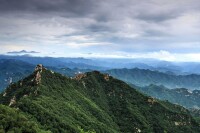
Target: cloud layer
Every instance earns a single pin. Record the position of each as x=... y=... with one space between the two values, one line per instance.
x=66 y=27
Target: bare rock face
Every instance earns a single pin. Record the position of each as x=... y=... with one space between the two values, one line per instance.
x=4 y=94
x=107 y=77
x=38 y=77
x=80 y=76
x=12 y=101
x=39 y=67
x=151 y=101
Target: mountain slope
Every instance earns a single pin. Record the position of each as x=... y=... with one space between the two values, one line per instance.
x=142 y=77
x=196 y=114
x=181 y=96
x=93 y=102
x=12 y=71
x=11 y=120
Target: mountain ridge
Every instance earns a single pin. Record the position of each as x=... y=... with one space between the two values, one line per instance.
x=93 y=102
x=182 y=96
x=143 y=77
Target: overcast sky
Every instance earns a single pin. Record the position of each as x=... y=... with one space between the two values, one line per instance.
x=162 y=29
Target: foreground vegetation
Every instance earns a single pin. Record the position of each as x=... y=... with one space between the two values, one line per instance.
x=91 y=102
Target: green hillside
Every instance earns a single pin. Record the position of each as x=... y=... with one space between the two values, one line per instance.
x=13 y=121
x=92 y=102
x=181 y=96
x=142 y=77
x=12 y=71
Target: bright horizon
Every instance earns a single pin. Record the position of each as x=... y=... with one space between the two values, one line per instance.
x=161 y=55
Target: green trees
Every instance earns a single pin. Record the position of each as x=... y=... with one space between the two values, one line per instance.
x=13 y=121
x=93 y=103
x=181 y=96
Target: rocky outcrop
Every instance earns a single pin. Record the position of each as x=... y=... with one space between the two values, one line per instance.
x=12 y=101
x=106 y=77
x=151 y=101
x=180 y=123
x=4 y=94
x=38 y=77
x=38 y=69
x=80 y=76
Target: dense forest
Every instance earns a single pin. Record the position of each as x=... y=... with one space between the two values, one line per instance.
x=92 y=102
x=182 y=96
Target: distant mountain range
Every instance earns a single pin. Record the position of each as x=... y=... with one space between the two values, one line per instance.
x=174 y=68
x=151 y=82
x=181 y=96
x=169 y=74
x=142 y=77
x=56 y=62
x=46 y=101
x=12 y=70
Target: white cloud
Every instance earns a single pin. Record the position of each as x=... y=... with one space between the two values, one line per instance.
x=185 y=25
x=129 y=26
x=86 y=44
x=160 y=55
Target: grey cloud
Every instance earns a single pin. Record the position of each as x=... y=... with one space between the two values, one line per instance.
x=44 y=6
x=129 y=24
x=156 y=17
x=98 y=28
x=104 y=10
x=156 y=33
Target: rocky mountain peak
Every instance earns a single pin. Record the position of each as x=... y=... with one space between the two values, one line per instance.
x=39 y=67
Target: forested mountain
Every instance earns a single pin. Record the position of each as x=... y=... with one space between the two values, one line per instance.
x=14 y=121
x=181 y=96
x=195 y=113
x=89 y=102
x=12 y=70
x=142 y=77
